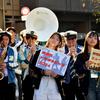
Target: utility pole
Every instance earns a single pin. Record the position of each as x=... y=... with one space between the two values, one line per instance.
x=13 y=21
x=4 y=14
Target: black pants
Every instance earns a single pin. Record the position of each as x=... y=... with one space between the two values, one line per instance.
x=27 y=87
x=72 y=89
x=7 y=91
x=19 y=82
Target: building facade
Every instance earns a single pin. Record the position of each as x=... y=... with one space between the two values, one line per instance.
x=9 y=13
x=72 y=14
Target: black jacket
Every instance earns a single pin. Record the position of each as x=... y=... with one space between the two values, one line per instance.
x=81 y=70
x=38 y=73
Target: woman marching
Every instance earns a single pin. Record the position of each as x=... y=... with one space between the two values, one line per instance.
x=7 y=81
x=87 y=81
x=47 y=83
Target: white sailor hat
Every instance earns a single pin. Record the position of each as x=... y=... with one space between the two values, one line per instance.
x=31 y=34
x=23 y=32
x=70 y=34
x=62 y=33
x=1 y=30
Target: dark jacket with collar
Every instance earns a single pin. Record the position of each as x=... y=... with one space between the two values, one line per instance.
x=67 y=76
x=83 y=72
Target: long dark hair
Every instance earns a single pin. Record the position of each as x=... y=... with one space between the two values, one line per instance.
x=60 y=39
x=85 y=52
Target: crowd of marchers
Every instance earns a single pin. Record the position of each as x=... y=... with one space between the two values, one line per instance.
x=22 y=79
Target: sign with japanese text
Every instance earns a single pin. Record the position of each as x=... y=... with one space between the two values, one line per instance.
x=53 y=60
x=95 y=58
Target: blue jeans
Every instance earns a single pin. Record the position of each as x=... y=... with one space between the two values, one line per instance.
x=94 y=89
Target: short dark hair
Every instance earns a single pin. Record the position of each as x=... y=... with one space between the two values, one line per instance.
x=4 y=33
